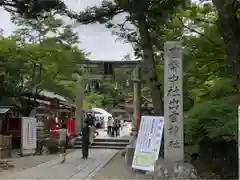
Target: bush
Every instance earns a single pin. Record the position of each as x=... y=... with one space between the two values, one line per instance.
x=213 y=127
x=216 y=120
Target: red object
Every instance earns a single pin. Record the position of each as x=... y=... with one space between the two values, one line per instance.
x=54 y=129
x=14 y=127
x=70 y=128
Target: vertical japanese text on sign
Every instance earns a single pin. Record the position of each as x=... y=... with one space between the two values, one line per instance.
x=173 y=132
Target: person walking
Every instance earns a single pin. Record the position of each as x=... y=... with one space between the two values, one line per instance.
x=64 y=126
x=63 y=141
x=109 y=126
x=85 y=139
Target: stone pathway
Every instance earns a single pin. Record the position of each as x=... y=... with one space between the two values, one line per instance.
x=116 y=169
x=22 y=163
x=73 y=168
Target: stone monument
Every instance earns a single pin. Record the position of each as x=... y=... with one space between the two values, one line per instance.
x=173 y=166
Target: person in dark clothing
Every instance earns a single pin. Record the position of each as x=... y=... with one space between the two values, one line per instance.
x=114 y=128
x=118 y=126
x=90 y=119
x=85 y=139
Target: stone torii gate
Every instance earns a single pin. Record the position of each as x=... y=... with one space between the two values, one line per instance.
x=106 y=70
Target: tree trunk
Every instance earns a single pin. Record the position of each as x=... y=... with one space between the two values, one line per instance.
x=148 y=55
x=227 y=13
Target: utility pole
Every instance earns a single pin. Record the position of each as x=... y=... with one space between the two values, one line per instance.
x=136 y=97
x=79 y=106
x=136 y=114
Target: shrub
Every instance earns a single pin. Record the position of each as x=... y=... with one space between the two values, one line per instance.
x=216 y=120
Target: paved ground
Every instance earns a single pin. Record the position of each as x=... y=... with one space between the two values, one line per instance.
x=73 y=168
x=22 y=163
x=116 y=169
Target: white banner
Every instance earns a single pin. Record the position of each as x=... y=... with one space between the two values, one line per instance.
x=28 y=135
x=148 y=143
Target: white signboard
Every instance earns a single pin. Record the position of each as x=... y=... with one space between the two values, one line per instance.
x=148 y=143
x=28 y=135
x=173 y=102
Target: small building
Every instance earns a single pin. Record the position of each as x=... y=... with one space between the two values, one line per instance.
x=5 y=113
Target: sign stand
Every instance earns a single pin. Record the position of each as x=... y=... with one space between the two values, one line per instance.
x=28 y=136
x=148 y=143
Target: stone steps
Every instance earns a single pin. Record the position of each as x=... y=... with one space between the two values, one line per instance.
x=101 y=147
x=105 y=143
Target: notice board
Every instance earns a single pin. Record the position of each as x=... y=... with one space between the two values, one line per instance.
x=148 y=143
x=28 y=135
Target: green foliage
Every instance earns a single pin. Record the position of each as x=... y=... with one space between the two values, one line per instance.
x=214 y=119
x=31 y=58
x=54 y=46
x=92 y=100
x=208 y=79
x=12 y=70
x=32 y=8
x=47 y=41
x=220 y=87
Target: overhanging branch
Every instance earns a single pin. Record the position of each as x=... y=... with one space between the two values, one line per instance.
x=101 y=14
x=199 y=33
x=204 y=20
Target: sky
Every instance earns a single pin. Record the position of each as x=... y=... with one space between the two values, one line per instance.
x=94 y=39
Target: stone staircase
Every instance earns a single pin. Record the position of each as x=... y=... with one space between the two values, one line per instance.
x=105 y=143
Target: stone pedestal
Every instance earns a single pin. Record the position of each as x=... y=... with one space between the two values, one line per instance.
x=174 y=170
x=129 y=155
x=130 y=149
x=50 y=145
x=5 y=146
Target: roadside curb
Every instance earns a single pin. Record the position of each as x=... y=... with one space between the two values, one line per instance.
x=102 y=165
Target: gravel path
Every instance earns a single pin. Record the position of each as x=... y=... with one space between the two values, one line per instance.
x=116 y=169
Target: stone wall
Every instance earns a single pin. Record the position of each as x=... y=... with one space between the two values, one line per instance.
x=174 y=170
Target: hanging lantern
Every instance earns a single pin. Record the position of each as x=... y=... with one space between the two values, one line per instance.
x=87 y=87
x=116 y=86
x=97 y=85
x=127 y=83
